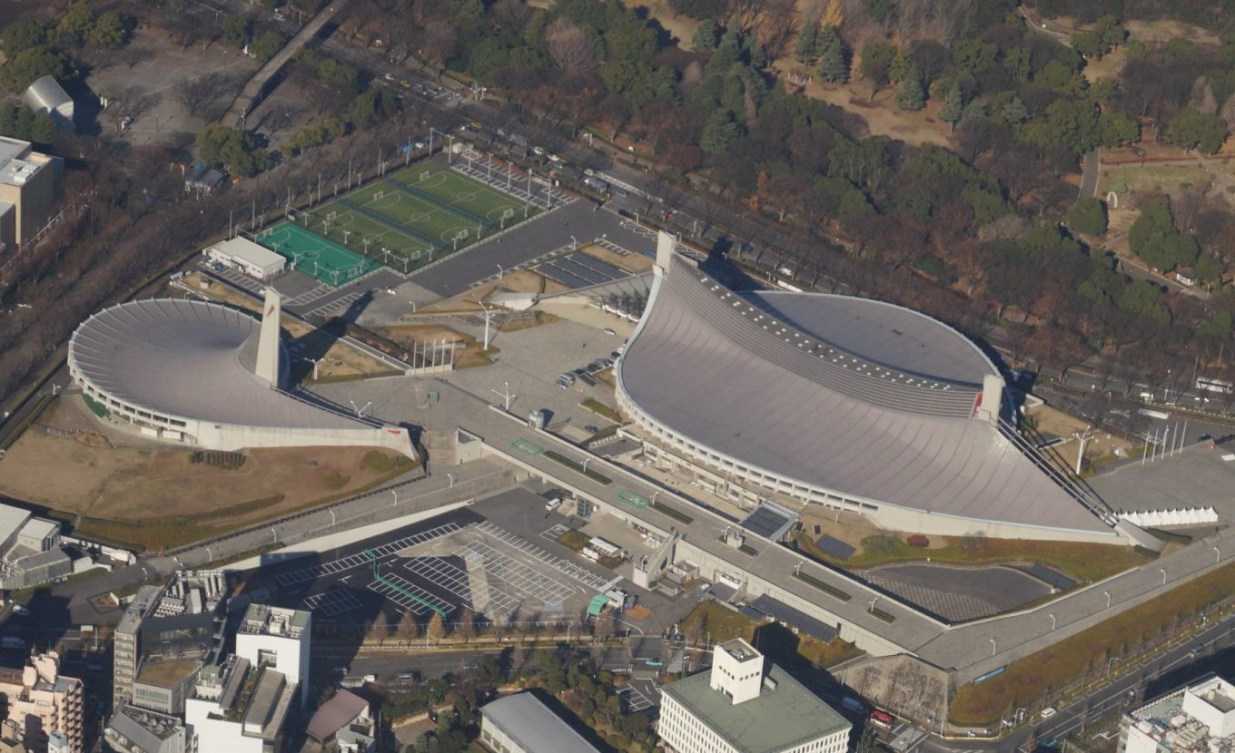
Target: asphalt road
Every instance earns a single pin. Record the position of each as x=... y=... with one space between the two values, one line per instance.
x=579 y=220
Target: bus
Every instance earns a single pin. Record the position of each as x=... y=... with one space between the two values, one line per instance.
x=882 y=719
x=1221 y=386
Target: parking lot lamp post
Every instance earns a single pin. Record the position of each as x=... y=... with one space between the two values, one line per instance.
x=451 y=477
x=500 y=272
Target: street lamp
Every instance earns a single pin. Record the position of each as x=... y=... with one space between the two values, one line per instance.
x=1217 y=555
x=1163 y=571
x=585 y=462
x=1052 y=616
x=451 y=477
x=993 y=646
x=1107 y=594
x=500 y=272
x=394 y=501
x=872 y=604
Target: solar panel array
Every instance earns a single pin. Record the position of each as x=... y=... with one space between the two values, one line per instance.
x=580 y=271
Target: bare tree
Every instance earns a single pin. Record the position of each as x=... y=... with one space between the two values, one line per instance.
x=569 y=47
x=203 y=90
x=436 y=630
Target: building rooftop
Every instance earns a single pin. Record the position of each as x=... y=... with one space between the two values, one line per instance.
x=1195 y=719
x=11 y=520
x=534 y=726
x=335 y=714
x=165 y=673
x=188 y=359
x=261 y=619
x=784 y=715
x=740 y=650
x=146 y=729
x=243 y=248
x=840 y=393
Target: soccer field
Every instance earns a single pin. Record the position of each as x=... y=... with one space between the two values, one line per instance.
x=415 y=217
x=313 y=255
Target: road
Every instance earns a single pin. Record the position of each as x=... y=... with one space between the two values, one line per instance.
x=1089 y=173
x=70 y=602
x=1173 y=668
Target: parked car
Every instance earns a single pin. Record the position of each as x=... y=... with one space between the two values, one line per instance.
x=609 y=331
x=1048 y=712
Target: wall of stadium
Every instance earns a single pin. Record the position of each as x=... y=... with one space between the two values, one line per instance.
x=677 y=450
x=208 y=435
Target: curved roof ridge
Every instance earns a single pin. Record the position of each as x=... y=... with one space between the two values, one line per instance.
x=767 y=336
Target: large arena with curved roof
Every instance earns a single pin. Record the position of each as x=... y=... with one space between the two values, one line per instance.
x=846 y=402
x=208 y=376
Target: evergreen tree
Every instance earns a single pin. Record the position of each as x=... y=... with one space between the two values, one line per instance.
x=808 y=42
x=704 y=39
x=834 y=68
x=953 y=106
x=719 y=133
x=911 y=96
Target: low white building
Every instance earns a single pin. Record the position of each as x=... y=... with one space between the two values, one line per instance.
x=746 y=706
x=521 y=723
x=248 y=257
x=1196 y=719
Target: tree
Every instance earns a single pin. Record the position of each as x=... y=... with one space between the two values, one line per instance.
x=74 y=24
x=407 y=630
x=911 y=96
x=266 y=45
x=953 y=106
x=604 y=626
x=719 y=133
x=704 y=39
x=1088 y=215
x=1197 y=130
x=834 y=16
x=834 y=68
x=23 y=35
x=236 y=30
x=31 y=64
x=436 y=629
x=569 y=47
x=465 y=626
x=808 y=42
x=877 y=58
x=236 y=150
x=109 y=32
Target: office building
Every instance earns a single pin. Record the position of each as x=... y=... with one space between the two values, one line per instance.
x=27 y=192
x=746 y=706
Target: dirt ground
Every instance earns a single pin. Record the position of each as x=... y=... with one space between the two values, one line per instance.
x=636 y=264
x=136 y=483
x=882 y=118
x=1055 y=423
x=677 y=25
x=522 y=281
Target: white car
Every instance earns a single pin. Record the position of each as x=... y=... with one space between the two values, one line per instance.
x=20 y=611
x=1048 y=712
x=609 y=331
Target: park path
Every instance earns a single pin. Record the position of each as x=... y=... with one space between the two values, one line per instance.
x=255 y=88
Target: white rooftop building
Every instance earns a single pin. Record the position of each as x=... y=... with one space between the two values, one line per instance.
x=1196 y=719
x=279 y=638
x=248 y=257
x=739 y=707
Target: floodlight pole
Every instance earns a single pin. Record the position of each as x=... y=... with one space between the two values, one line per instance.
x=1081 y=437
x=488 y=315
x=505 y=395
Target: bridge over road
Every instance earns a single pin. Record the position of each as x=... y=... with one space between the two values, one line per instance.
x=255 y=89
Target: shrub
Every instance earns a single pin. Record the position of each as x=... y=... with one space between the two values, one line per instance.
x=335 y=480
x=919 y=541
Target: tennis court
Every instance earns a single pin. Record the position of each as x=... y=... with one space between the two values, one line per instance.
x=408 y=220
x=313 y=255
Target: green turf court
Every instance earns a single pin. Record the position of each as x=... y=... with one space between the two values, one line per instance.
x=313 y=255
x=415 y=217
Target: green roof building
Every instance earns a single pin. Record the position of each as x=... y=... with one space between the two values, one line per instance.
x=745 y=706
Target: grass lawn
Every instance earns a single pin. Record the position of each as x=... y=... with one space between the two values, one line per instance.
x=1085 y=562
x=1029 y=679
x=601 y=409
x=574 y=540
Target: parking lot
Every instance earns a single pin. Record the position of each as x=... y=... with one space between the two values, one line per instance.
x=444 y=565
